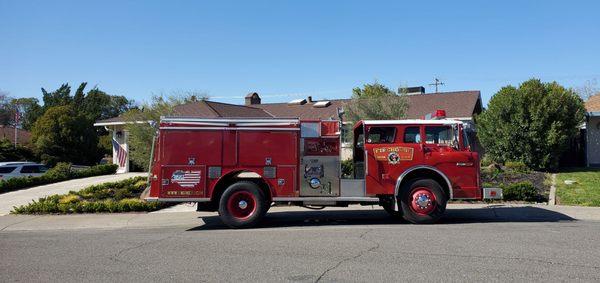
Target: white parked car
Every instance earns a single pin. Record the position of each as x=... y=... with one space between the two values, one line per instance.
x=10 y=170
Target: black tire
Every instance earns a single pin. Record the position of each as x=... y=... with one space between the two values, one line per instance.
x=412 y=211
x=243 y=205
x=389 y=208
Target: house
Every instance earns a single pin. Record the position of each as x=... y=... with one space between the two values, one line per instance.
x=23 y=136
x=460 y=105
x=592 y=131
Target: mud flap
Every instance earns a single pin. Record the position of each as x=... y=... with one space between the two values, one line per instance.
x=145 y=193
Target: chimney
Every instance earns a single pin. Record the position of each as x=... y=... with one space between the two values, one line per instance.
x=252 y=98
x=309 y=99
x=411 y=90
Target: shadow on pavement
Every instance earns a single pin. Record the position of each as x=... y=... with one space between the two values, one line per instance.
x=380 y=217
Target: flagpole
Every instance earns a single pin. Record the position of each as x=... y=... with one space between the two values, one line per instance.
x=16 y=123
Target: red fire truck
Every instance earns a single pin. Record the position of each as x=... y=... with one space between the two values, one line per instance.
x=240 y=167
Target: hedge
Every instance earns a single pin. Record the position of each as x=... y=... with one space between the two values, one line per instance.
x=122 y=196
x=521 y=191
x=60 y=172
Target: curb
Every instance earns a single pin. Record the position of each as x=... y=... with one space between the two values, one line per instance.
x=552 y=197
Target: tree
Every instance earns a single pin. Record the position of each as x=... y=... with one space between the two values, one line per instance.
x=7 y=111
x=589 y=89
x=29 y=110
x=375 y=101
x=141 y=135
x=532 y=123
x=59 y=97
x=8 y=151
x=86 y=108
x=62 y=134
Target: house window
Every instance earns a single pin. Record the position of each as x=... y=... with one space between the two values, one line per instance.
x=412 y=135
x=381 y=135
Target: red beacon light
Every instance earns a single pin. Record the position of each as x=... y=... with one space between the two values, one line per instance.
x=437 y=115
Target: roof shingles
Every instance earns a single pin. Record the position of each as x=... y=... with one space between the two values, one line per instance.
x=593 y=103
x=460 y=104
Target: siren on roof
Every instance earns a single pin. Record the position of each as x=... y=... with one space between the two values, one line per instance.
x=300 y=101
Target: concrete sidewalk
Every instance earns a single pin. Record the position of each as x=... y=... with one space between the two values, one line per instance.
x=286 y=216
x=25 y=196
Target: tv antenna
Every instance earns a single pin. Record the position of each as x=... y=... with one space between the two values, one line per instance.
x=437 y=83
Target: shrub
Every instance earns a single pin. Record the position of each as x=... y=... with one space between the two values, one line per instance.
x=60 y=172
x=347 y=168
x=533 y=122
x=522 y=191
x=119 y=196
x=517 y=166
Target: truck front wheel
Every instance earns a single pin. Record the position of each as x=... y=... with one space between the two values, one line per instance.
x=423 y=201
x=242 y=205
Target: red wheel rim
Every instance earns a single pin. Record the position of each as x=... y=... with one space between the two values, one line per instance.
x=241 y=204
x=422 y=201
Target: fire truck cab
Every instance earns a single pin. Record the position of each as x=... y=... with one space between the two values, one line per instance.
x=240 y=167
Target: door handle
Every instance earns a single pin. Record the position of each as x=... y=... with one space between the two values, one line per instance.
x=464 y=164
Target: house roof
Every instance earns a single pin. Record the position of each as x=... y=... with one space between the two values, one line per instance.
x=593 y=103
x=458 y=104
x=8 y=132
x=203 y=109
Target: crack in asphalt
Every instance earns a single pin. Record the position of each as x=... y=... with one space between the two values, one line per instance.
x=17 y=223
x=362 y=237
x=116 y=256
x=502 y=257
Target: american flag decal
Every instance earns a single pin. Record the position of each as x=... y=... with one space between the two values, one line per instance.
x=186 y=179
x=121 y=153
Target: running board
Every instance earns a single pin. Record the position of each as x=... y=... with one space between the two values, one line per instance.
x=327 y=199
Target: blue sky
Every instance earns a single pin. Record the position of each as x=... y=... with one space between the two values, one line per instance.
x=290 y=49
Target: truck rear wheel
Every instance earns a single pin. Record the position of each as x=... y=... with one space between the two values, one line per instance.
x=423 y=201
x=242 y=205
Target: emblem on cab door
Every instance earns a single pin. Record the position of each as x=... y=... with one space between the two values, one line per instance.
x=393 y=158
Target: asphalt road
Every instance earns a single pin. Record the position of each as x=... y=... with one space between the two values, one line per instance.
x=516 y=244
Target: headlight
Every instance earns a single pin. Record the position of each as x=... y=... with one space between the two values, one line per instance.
x=315 y=183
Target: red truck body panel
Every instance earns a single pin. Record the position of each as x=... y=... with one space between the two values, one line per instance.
x=192 y=156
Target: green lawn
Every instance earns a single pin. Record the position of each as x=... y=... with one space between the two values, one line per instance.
x=586 y=192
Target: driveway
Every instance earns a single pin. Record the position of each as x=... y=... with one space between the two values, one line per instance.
x=21 y=197
x=358 y=244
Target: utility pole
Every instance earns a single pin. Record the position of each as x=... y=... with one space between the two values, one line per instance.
x=437 y=83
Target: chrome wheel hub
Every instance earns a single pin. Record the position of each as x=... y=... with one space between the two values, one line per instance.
x=242 y=204
x=423 y=200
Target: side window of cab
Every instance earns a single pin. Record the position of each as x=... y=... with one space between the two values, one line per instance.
x=381 y=135
x=412 y=134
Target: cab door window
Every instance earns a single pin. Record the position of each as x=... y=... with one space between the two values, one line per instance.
x=381 y=135
x=439 y=135
x=412 y=135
